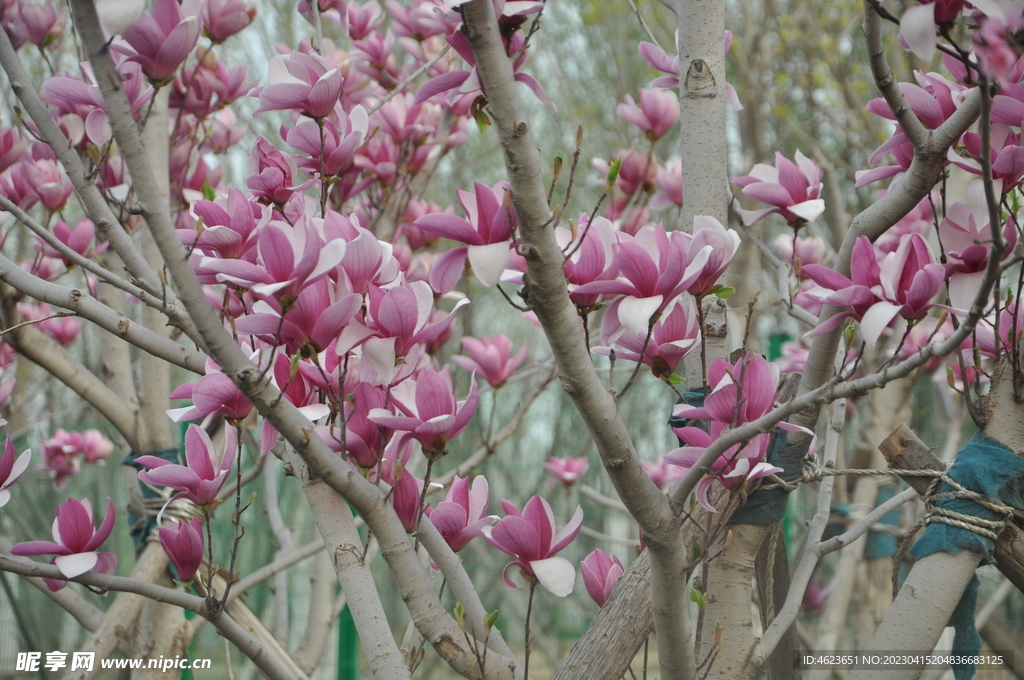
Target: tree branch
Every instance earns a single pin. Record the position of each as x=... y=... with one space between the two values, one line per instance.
x=225 y=625
x=905 y=116
x=91 y=309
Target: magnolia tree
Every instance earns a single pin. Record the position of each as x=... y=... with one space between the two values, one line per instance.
x=312 y=301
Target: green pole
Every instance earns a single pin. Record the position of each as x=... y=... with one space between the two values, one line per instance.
x=348 y=647
x=348 y=640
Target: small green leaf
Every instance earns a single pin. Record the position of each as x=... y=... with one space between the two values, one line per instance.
x=698 y=550
x=723 y=291
x=697 y=597
x=209 y=193
x=559 y=159
x=490 y=620
x=676 y=379
x=460 y=615
x=613 y=173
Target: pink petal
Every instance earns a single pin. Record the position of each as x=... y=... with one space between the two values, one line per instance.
x=556 y=574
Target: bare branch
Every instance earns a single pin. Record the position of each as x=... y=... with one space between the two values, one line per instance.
x=225 y=625
x=88 y=307
x=905 y=116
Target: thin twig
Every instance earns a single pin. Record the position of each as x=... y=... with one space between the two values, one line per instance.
x=408 y=81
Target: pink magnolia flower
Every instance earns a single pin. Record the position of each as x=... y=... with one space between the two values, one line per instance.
x=797 y=249
x=49 y=181
x=490 y=358
x=601 y=572
x=674 y=335
x=531 y=539
x=329 y=148
x=567 y=470
x=63 y=329
x=428 y=410
x=75 y=540
x=12 y=147
x=487 y=230
x=995 y=44
x=289 y=258
x=656 y=114
x=307 y=83
x=363 y=19
x=40 y=21
x=399 y=320
x=662 y=473
x=655 y=266
x=907 y=280
x=461 y=517
x=83 y=98
x=964 y=233
x=77 y=238
x=229 y=225
x=272 y=174
x=816 y=597
x=223 y=18
x=793 y=188
x=707 y=231
x=669 y=181
x=317 y=316
x=933 y=100
x=199 y=481
x=93 y=446
x=213 y=393
x=741 y=393
x=162 y=41
x=405 y=498
x=11 y=469
x=919 y=24
x=183 y=542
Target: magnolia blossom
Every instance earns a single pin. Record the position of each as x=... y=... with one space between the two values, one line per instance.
x=461 y=516
x=76 y=539
x=662 y=473
x=213 y=393
x=919 y=24
x=903 y=284
x=531 y=539
x=707 y=231
x=674 y=335
x=162 y=41
x=965 y=232
x=741 y=393
x=655 y=115
x=933 y=100
x=428 y=410
x=183 y=542
x=223 y=18
x=490 y=358
x=567 y=470
x=201 y=479
x=11 y=469
x=486 y=229
x=655 y=266
x=793 y=188
x=809 y=250
x=601 y=572
x=308 y=83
